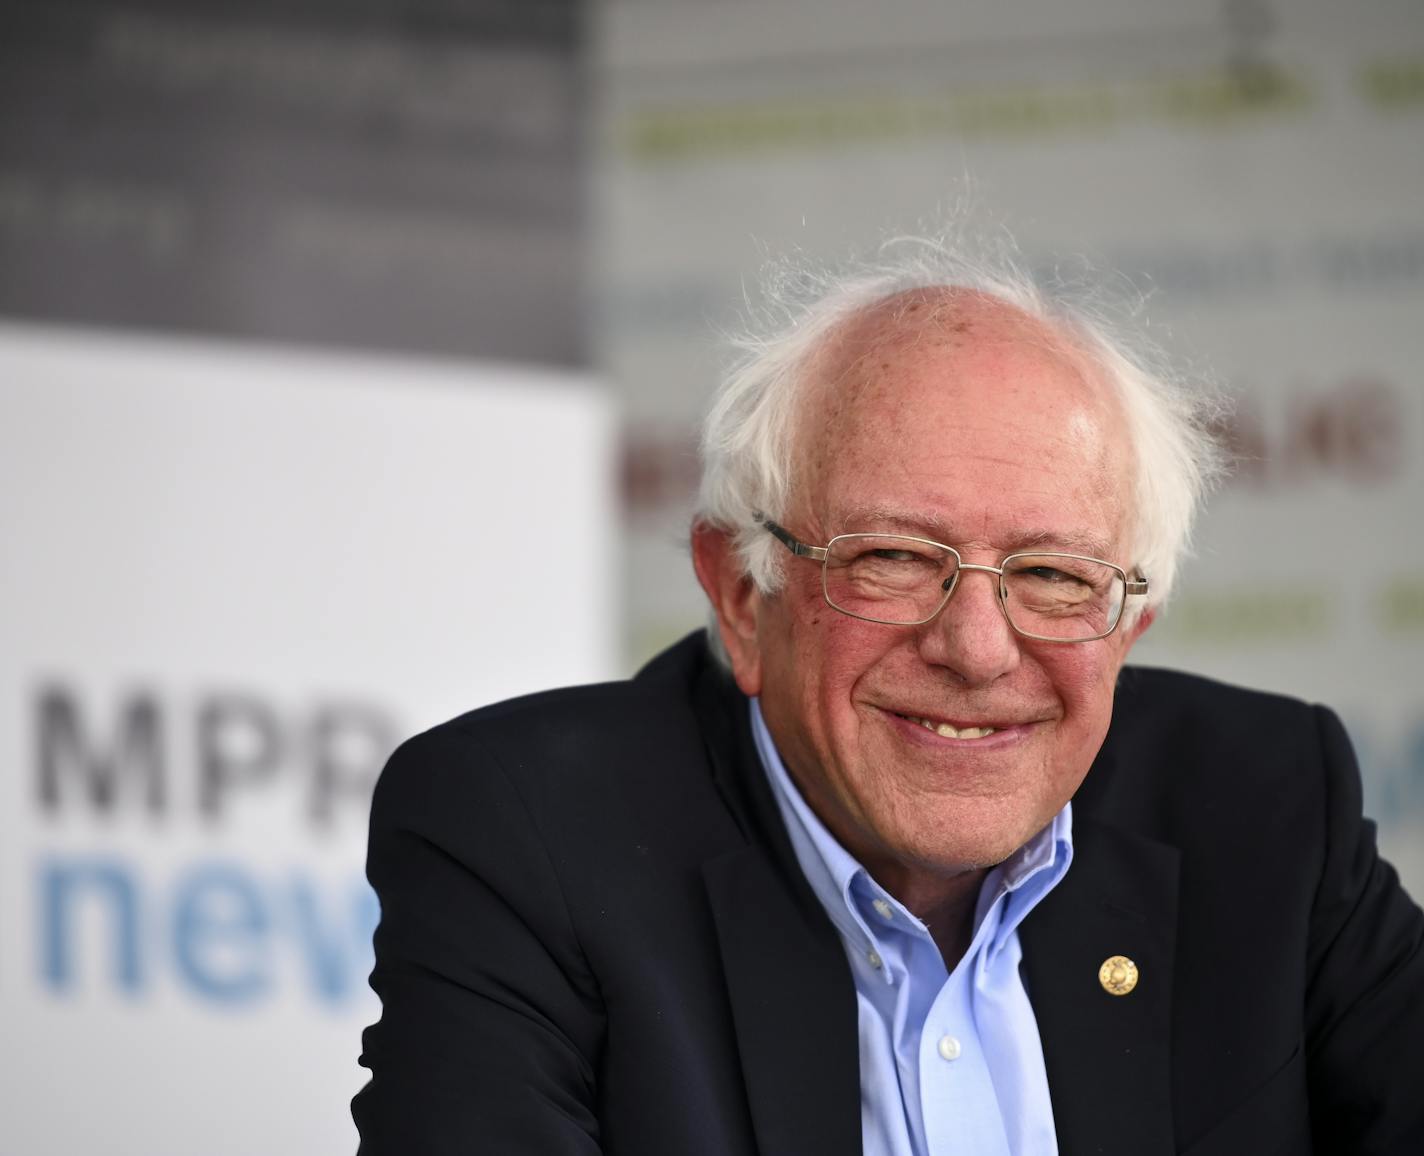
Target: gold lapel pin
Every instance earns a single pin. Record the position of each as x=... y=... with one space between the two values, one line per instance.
x=1118 y=975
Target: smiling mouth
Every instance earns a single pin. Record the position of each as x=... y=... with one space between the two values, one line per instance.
x=945 y=731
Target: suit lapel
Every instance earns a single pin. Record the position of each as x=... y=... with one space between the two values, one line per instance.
x=1106 y=1055
x=793 y=1007
x=792 y=996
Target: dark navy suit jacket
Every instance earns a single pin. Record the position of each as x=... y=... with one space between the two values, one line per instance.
x=595 y=938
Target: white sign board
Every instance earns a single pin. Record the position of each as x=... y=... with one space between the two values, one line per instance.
x=230 y=581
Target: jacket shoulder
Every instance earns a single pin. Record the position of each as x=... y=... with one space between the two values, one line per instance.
x=580 y=721
x=1172 y=716
x=1164 y=693
x=670 y=674
x=581 y=747
x=1182 y=745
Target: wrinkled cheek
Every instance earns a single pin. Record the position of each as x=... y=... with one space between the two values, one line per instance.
x=1086 y=691
x=825 y=664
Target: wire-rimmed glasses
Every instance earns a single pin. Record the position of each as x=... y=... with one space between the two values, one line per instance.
x=901 y=580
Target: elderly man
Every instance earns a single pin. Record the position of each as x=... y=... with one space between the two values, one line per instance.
x=912 y=864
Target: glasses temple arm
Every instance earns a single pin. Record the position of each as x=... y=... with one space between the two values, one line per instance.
x=791 y=542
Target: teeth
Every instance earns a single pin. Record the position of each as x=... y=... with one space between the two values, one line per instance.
x=944 y=730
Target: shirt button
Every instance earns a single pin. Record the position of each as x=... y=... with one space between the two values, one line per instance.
x=883 y=909
x=873 y=958
x=949 y=1047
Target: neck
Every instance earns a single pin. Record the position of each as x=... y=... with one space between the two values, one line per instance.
x=945 y=904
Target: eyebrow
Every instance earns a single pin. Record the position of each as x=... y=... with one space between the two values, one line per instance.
x=1070 y=541
x=904 y=521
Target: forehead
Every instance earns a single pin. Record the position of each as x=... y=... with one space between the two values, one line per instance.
x=967 y=415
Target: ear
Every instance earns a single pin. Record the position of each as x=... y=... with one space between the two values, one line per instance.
x=734 y=599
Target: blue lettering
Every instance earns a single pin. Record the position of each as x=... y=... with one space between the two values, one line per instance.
x=335 y=963
x=61 y=885
x=220 y=926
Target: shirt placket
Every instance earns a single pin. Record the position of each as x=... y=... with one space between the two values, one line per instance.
x=953 y=1066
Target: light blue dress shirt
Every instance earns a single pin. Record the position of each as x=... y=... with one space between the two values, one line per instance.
x=950 y=1063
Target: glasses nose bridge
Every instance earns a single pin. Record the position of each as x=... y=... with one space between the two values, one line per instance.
x=951 y=584
x=997 y=570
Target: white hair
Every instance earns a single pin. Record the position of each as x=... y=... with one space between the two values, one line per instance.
x=747 y=435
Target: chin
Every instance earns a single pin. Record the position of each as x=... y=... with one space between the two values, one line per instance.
x=966 y=838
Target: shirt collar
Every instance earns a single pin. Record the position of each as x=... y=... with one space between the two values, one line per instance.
x=1026 y=877
x=1021 y=881
x=829 y=868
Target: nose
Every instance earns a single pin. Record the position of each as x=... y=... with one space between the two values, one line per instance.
x=971 y=636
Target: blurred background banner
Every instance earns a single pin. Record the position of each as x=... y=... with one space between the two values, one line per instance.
x=351 y=355
x=393 y=174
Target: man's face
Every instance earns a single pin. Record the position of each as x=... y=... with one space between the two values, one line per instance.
x=976 y=431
